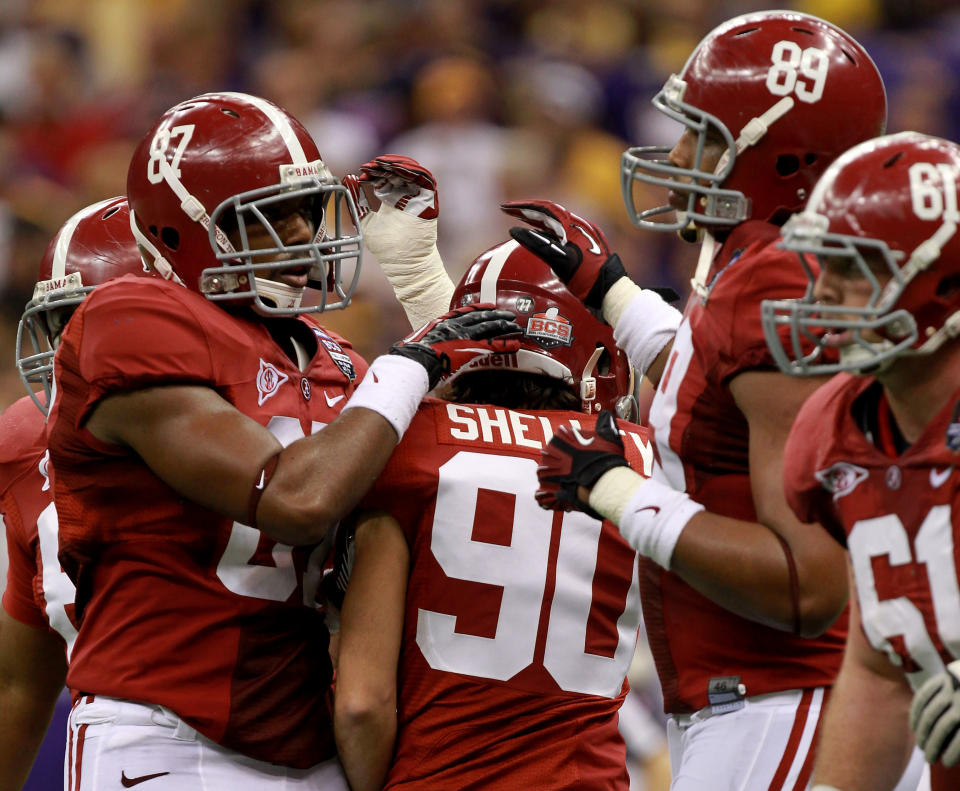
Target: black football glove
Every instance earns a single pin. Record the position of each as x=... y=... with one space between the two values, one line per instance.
x=446 y=344
x=574 y=248
x=935 y=716
x=572 y=459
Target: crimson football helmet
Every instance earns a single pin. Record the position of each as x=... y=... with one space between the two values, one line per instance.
x=562 y=339
x=786 y=92
x=226 y=163
x=91 y=247
x=888 y=208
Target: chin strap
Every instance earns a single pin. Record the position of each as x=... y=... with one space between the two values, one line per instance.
x=282 y=295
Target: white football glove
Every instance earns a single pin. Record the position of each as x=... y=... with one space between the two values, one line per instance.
x=935 y=716
x=402 y=233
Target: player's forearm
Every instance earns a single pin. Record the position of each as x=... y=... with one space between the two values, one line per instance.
x=26 y=717
x=365 y=741
x=746 y=568
x=865 y=742
x=321 y=478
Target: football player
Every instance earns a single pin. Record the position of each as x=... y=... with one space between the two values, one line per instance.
x=483 y=638
x=741 y=599
x=873 y=455
x=37 y=627
x=194 y=485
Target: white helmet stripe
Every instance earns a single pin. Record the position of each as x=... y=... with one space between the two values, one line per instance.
x=279 y=120
x=498 y=257
x=59 y=263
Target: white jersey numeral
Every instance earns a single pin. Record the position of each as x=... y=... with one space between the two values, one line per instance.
x=58 y=590
x=933 y=191
x=158 y=151
x=885 y=536
x=521 y=570
x=789 y=63
x=272 y=583
x=664 y=407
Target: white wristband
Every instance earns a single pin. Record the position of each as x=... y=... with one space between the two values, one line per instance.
x=406 y=247
x=653 y=517
x=824 y=787
x=643 y=323
x=393 y=387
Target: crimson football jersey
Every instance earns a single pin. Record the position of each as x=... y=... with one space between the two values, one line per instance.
x=702 y=441
x=177 y=605
x=38 y=592
x=520 y=623
x=898 y=516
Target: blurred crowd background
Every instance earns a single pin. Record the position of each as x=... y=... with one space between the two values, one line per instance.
x=499 y=98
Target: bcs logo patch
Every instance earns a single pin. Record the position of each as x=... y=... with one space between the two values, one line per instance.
x=549 y=329
x=841 y=478
x=269 y=380
x=337 y=354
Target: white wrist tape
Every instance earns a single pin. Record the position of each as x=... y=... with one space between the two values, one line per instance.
x=824 y=787
x=611 y=493
x=393 y=387
x=653 y=516
x=643 y=323
x=406 y=247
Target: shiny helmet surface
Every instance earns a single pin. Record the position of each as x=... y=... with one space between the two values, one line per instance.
x=562 y=338
x=93 y=246
x=887 y=211
x=785 y=93
x=220 y=165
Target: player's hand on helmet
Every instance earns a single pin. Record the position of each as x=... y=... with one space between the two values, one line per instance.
x=935 y=716
x=574 y=459
x=402 y=233
x=399 y=182
x=574 y=248
x=446 y=344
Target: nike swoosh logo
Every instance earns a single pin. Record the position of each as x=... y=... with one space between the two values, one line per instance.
x=336 y=399
x=594 y=247
x=939 y=477
x=259 y=484
x=654 y=508
x=551 y=243
x=130 y=782
x=580 y=438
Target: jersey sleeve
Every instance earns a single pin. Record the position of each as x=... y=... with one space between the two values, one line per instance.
x=760 y=273
x=18 y=599
x=135 y=334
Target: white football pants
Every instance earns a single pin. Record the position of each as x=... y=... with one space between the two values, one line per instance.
x=116 y=744
x=764 y=746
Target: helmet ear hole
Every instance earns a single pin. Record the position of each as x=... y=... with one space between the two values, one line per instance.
x=949 y=287
x=170 y=238
x=787 y=165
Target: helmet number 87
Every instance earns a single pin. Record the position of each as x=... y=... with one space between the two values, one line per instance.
x=158 y=151
x=789 y=63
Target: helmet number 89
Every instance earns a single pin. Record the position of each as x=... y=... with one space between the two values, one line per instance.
x=789 y=63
